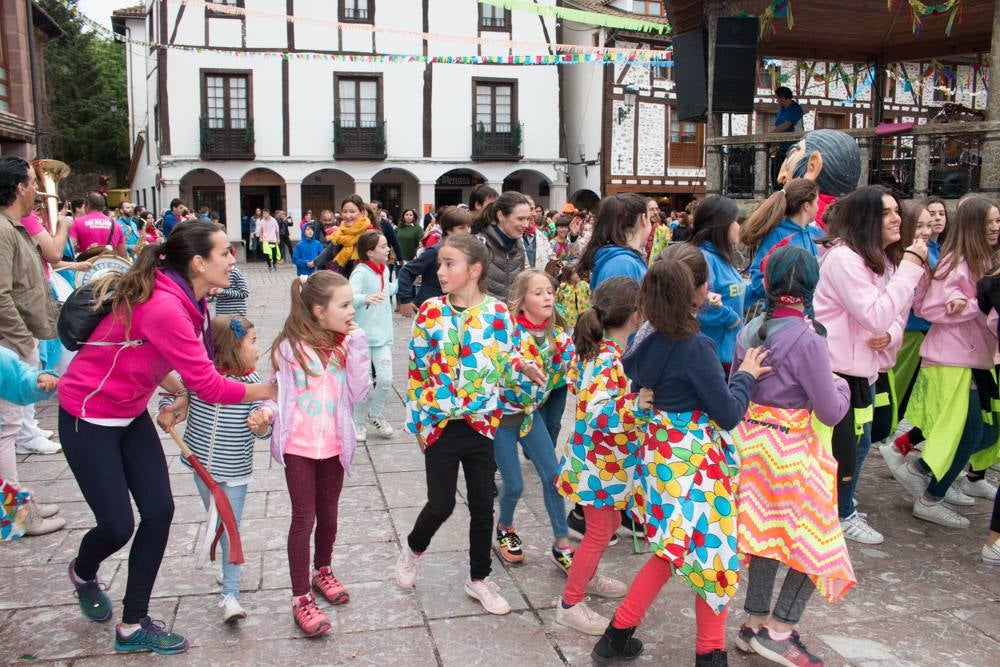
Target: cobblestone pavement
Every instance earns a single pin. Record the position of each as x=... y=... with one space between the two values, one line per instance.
x=924 y=598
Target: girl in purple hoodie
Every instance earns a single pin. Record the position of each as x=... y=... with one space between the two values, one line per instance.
x=786 y=499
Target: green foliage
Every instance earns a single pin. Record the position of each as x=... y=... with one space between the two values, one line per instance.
x=86 y=90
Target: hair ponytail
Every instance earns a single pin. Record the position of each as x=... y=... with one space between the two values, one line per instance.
x=781 y=204
x=612 y=303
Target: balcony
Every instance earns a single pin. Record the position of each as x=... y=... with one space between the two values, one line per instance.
x=227 y=144
x=939 y=159
x=494 y=145
x=359 y=143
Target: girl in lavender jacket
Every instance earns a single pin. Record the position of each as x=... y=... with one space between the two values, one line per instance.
x=858 y=298
x=320 y=362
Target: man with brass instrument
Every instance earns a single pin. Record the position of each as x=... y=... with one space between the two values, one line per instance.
x=94 y=231
x=27 y=312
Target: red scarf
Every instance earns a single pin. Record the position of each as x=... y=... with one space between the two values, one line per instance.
x=377 y=268
x=785 y=311
x=523 y=320
x=824 y=201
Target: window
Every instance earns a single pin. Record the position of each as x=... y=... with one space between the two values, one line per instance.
x=648 y=8
x=494 y=18
x=359 y=127
x=4 y=73
x=494 y=106
x=768 y=76
x=765 y=122
x=685 y=142
x=661 y=71
x=358 y=11
x=831 y=121
x=496 y=132
x=226 y=114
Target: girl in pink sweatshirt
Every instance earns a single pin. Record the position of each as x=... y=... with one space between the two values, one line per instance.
x=859 y=297
x=956 y=391
x=320 y=360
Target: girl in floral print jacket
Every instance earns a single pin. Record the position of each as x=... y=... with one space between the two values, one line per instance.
x=600 y=466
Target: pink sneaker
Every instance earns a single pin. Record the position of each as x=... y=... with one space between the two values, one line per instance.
x=309 y=618
x=331 y=588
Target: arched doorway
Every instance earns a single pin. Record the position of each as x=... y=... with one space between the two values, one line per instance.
x=204 y=188
x=395 y=189
x=529 y=182
x=453 y=187
x=261 y=188
x=323 y=189
x=586 y=199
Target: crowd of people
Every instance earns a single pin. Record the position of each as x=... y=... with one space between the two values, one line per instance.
x=695 y=349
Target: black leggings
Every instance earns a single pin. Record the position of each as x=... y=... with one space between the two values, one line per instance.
x=109 y=463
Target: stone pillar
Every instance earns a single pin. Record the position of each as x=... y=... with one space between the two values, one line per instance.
x=989 y=175
x=865 y=148
x=233 y=218
x=761 y=173
x=426 y=196
x=496 y=185
x=921 y=165
x=293 y=199
x=169 y=190
x=713 y=128
x=363 y=188
x=557 y=196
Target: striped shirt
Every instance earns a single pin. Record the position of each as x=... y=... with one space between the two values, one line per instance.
x=218 y=435
x=233 y=299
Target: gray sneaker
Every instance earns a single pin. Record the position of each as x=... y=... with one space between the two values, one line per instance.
x=939 y=513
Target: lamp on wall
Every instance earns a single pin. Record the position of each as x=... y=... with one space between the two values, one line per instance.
x=628 y=102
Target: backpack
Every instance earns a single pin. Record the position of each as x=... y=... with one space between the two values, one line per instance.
x=78 y=318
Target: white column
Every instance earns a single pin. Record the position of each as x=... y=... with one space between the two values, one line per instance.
x=293 y=199
x=363 y=188
x=169 y=190
x=557 y=196
x=426 y=196
x=233 y=224
x=496 y=185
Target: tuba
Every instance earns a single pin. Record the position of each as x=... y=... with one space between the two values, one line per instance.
x=48 y=174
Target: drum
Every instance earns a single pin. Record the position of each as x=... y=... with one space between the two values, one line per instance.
x=102 y=266
x=61 y=286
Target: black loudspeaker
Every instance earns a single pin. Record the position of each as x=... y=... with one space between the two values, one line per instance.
x=735 y=65
x=691 y=74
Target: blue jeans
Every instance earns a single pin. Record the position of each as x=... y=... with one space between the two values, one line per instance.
x=976 y=436
x=551 y=412
x=845 y=501
x=237 y=495
x=538 y=446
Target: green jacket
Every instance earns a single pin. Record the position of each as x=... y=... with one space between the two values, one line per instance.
x=27 y=309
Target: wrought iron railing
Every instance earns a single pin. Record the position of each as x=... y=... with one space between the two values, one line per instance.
x=359 y=142
x=498 y=142
x=226 y=143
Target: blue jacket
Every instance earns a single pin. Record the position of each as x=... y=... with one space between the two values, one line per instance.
x=169 y=222
x=306 y=251
x=915 y=323
x=721 y=323
x=424 y=266
x=800 y=237
x=614 y=260
x=19 y=381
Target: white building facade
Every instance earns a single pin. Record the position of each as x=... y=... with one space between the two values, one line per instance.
x=236 y=125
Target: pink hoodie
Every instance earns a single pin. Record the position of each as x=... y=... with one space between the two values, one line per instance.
x=855 y=304
x=964 y=339
x=117 y=381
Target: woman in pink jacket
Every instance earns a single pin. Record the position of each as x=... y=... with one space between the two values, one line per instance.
x=159 y=325
x=957 y=384
x=859 y=298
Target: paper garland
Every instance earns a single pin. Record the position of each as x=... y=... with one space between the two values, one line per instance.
x=918 y=10
x=581 y=16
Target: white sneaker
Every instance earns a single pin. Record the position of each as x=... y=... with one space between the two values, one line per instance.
x=382 y=427
x=407 y=567
x=939 y=513
x=37 y=446
x=231 y=609
x=606 y=587
x=991 y=553
x=581 y=618
x=856 y=528
x=360 y=433
x=45 y=510
x=488 y=594
x=983 y=488
x=36 y=524
x=893 y=457
x=954 y=496
x=913 y=479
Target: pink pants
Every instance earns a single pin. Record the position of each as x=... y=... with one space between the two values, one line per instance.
x=711 y=627
x=601 y=525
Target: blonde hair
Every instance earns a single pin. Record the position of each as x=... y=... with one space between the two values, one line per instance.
x=515 y=300
x=229 y=346
x=301 y=330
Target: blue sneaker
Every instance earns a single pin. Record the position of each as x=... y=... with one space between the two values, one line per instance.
x=151 y=636
x=94 y=602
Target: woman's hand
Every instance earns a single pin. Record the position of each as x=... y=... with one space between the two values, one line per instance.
x=173 y=414
x=407 y=309
x=916 y=253
x=47 y=382
x=644 y=399
x=714 y=300
x=955 y=306
x=880 y=342
x=753 y=363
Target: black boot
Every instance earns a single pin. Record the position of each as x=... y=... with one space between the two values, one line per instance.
x=716 y=658
x=616 y=646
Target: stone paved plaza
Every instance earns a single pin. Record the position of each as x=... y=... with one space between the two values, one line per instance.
x=923 y=598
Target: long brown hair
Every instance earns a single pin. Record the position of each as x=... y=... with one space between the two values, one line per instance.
x=910 y=214
x=228 y=345
x=617 y=215
x=475 y=253
x=781 y=204
x=967 y=240
x=857 y=222
x=515 y=300
x=612 y=303
x=301 y=330
x=668 y=293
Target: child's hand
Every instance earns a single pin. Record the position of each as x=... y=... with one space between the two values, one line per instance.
x=374 y=298
x=753 y=363
x=533 y=373
x=258 y=421
x=714 y=300
x=174 y=413
x=644 y=399
x=955 y=306
x=47 y=382
x=879 y=343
